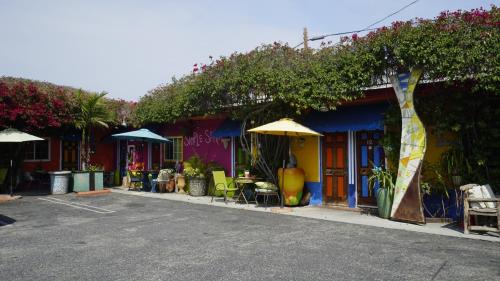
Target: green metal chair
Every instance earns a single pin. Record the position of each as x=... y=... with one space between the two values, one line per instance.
x=220 y=184
x=266 y=190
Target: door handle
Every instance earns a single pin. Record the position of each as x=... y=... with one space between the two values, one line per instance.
x=339 y=172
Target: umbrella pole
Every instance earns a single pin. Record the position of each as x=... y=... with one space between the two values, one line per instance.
x=283 y=178
x=11 y=171
x=283 y=184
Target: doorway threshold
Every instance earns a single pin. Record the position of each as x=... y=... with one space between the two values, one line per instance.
x=343 y=207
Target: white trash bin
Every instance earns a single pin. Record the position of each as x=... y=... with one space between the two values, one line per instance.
x=59 y=182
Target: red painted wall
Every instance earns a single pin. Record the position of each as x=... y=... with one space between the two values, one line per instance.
x=156 y=155
x=104 y=155
x=198 y=140
x=141 y=151
x=52 y=164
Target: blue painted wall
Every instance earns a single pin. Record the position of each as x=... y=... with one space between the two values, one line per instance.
x=316 y=190
x=351 y=196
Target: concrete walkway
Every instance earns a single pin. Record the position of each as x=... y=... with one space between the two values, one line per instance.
x=320 y=213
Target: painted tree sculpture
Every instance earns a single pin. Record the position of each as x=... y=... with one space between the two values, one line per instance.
x=407 y=205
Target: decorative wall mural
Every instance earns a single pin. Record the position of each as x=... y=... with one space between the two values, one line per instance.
x=407 y=204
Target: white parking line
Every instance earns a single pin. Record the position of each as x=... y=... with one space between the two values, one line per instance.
x=84 y=205
x=78 y=205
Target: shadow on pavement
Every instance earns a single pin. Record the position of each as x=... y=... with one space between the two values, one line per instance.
x=4 y=220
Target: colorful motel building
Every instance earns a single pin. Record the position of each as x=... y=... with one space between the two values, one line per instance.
x=337 y=165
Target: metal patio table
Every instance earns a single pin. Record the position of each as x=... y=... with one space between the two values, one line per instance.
x=240 y=183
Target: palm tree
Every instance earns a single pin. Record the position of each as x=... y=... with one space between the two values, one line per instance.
x=92 y=114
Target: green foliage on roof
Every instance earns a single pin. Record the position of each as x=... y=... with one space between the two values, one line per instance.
x=30 y=104
x=455 y=47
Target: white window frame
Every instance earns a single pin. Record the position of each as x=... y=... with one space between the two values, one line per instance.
x=181 y=138
x=41 y=160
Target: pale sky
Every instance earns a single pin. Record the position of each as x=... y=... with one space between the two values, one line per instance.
x=129 y=47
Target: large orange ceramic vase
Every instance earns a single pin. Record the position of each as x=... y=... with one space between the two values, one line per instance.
x=294 y=185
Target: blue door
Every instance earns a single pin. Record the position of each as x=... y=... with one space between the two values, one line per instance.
x=370 y=154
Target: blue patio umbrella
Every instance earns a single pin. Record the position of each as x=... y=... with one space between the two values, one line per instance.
x=141 y=135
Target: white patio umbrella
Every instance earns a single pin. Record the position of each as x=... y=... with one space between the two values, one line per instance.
x=14 y=136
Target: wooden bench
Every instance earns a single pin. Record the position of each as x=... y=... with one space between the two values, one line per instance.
x=481 y=211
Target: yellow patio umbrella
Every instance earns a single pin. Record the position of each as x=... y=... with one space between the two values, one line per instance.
x=284 y=127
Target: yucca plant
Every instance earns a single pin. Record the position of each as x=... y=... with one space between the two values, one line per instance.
x=384 y=177
x=385 y=193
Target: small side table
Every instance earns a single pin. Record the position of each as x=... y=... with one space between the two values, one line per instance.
x=241 y=182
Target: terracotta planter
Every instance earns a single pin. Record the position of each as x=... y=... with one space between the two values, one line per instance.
x=181 y=183
x=171 y=185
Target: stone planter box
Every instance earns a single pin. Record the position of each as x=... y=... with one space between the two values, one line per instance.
x=59 y=182
x=88 y=181
x=197 y=187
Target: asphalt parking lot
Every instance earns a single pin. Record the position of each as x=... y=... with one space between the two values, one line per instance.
x=123 y=237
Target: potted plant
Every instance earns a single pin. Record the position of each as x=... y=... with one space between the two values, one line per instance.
x=89 y=179
x=455 y=165
x=180 y=180
x=385 y=191
x=96 y=177
x=171 y=180
x=194 y=170
x=92 y=113
x=181 y=183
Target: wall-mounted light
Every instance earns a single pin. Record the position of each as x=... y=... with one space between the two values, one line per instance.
x=225 y=142
x=301 y=142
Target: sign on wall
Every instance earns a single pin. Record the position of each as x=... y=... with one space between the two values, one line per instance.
x=407 y=204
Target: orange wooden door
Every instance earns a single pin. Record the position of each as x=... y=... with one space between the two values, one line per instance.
x=335 y=168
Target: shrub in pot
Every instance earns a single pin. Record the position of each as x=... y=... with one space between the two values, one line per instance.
x=96 y=177
x=90 y=179
x=194 y=171
x=384 y=180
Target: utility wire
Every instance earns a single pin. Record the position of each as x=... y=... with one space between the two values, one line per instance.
x=368 y=28
x=392 y=14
